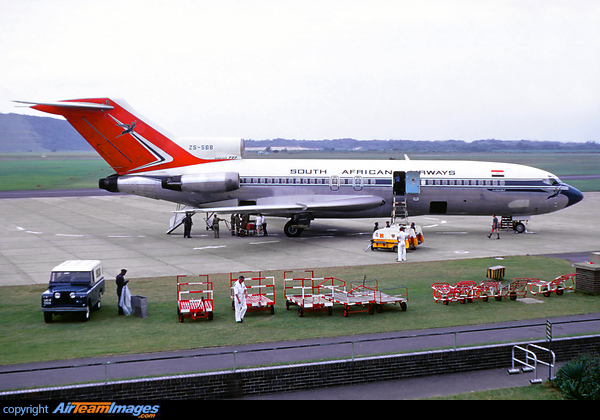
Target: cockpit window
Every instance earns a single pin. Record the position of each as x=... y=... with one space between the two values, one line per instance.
x=552 y=181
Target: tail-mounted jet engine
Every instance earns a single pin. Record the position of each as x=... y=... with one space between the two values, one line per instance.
x=203 y=183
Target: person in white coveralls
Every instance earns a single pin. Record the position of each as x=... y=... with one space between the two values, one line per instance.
x=402 y=245
x=239 y=299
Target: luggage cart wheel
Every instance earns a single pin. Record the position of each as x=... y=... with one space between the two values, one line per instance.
x=371 y=310
x=403 y=306
x=345 y=313
x=329 y=311
x=180 y=318
x=300 y=312
x=379 y=308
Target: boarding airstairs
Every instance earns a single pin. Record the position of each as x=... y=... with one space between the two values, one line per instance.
x=399 y=210
x=176 y=218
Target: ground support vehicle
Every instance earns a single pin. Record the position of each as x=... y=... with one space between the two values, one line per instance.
x=195 y=299
x=307 y=294
x=261 y=292
x=76 y=286
x=357 y=296
x=387 y=238
x=558 y=285
x=507 y=223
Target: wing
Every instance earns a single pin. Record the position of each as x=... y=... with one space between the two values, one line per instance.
x=294 y=205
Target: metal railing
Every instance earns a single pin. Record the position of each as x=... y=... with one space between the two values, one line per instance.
x=229 y=360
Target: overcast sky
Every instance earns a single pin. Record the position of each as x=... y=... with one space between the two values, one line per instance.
x=324 y=69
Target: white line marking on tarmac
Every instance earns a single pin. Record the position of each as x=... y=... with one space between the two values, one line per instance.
x=211 y=247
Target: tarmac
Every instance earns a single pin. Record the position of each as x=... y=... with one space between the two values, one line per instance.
x=40 y=230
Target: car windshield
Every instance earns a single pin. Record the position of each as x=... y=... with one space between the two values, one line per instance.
x=79 y=277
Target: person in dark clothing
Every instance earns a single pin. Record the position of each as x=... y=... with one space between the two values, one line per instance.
x=120 y=283
x=495 y=227
x=187 y=225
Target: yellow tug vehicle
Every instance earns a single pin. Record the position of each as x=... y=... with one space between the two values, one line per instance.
x=387 y=238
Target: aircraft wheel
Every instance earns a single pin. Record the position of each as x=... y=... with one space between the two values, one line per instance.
x=291 y=231
x=519 y=227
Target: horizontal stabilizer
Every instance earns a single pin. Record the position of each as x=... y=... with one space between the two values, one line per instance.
x=86 y=105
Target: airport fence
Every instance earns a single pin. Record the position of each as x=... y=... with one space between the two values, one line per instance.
x=252 y=356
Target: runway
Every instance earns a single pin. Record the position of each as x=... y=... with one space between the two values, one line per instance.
x=41 y=231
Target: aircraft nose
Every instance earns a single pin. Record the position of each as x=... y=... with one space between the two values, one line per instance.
x=573 y=194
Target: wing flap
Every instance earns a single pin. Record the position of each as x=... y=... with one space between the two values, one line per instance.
x=345 y=204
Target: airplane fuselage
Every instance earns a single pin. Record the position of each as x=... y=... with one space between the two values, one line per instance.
x=209 y=175
x=429 y=186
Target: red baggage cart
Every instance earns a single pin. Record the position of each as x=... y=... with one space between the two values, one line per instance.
x=194 y=299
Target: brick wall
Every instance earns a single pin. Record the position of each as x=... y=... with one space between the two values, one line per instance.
x=588 y=277
x=266 y=380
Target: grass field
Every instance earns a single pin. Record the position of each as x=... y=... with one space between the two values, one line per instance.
x=82 y=170
x=25 y=337
x=20 y=172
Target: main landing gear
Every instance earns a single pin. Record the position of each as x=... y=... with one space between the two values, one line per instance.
x=296 y=225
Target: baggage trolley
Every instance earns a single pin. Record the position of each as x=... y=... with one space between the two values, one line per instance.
x=305 y=293
x=443 y=292
x=517 y=288
x=261 y=292
x=458 y=292
x=357 y=296
x=388 y=296
x=194 y=299
x=488 y=289
x=391 y=296
x=558 y=285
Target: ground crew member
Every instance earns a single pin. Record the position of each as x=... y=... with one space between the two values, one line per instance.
x=495 y=226
x=187 y=225
x=121 y=282
x=215 y=226
x=402 y=245
x=239 y=298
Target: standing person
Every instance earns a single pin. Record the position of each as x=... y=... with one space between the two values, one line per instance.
x=402 y=245
x=495 y=226
x=120 y=280
x=376 y=227
x=215 y=225
x=239 y=299
x=264 y=225
x=187 y=225
x=259 y=224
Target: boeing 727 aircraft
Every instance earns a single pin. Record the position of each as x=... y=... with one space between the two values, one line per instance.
x=209 y=175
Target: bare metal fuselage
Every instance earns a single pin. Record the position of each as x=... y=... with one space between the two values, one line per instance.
x=429 y=187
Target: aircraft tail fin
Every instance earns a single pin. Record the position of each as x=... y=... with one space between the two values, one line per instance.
x=128 y=142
